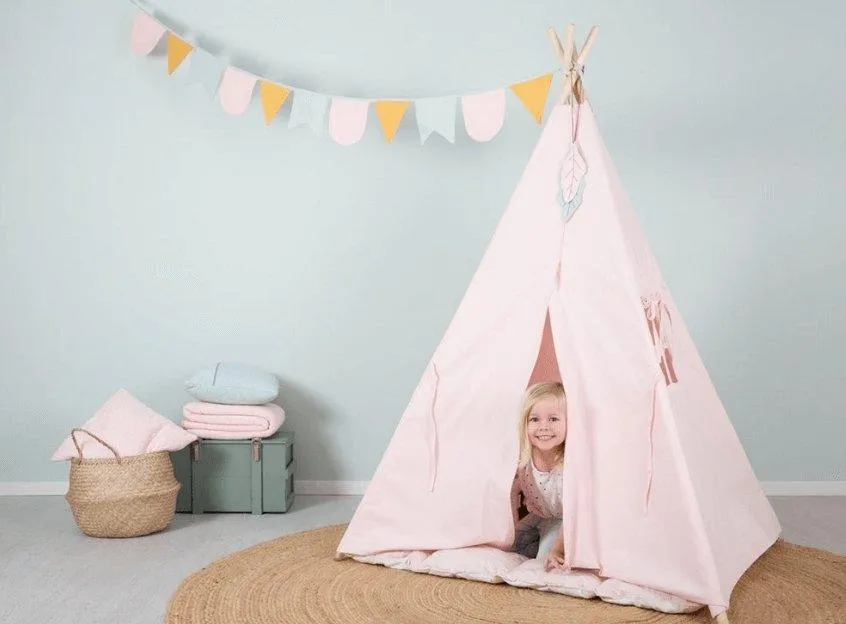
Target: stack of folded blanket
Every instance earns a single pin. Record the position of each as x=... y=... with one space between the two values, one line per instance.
x=233 y=403
x=232 y=422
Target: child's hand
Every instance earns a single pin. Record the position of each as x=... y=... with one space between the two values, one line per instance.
x=554 y=561
x=555 y=558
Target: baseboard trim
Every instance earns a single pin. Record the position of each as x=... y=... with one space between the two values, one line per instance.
x=330 y=488
x=804 y=488
x=33 y=488
x=357 y=488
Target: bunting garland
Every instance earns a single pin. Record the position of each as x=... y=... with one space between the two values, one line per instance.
x=533 y=94
x=483 y=113
x=273 y=96
x=390 y=114
x=348 y=120
x=236 y=90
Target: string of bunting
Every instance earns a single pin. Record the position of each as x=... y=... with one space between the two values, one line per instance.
x=483 y=113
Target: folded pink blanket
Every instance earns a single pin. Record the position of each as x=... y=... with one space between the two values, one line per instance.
x=232 y=422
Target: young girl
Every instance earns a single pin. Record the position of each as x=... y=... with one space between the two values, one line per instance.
x=539 y=478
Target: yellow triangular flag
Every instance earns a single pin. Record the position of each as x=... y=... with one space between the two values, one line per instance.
x=390 y=114
x=177 y=50
x=273 y=96
x=533 y=94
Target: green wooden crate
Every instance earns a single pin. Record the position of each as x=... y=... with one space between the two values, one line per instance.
x=236 y=475
x=182 y=471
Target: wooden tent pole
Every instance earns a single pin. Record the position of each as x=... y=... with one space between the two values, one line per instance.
x=591 y=38
x=571 y=42
x=572 y=60
x=559 y=49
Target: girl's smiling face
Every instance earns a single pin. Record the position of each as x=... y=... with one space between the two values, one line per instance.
x=547 y=424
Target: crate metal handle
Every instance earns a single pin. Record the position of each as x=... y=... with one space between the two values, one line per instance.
x=256 y=449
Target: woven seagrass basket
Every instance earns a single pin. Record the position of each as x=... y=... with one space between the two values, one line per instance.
x=124 y=496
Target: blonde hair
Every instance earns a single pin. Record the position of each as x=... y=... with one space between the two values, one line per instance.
x=538 y=392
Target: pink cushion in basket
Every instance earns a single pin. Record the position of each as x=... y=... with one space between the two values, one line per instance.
x=130 y=427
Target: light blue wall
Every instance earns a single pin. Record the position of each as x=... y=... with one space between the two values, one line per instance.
x=145 y=233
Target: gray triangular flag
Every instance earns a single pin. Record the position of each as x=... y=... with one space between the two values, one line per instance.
x=205 y=69
x=436 y=115
x=309 y=109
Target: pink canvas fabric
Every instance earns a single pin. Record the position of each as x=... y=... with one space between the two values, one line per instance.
x=130 y=427
x=658 y=491
x=232 y=422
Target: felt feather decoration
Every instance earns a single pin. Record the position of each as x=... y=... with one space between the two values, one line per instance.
x=571 y=181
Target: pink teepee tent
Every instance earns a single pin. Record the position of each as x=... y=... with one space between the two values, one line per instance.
x=658 y=491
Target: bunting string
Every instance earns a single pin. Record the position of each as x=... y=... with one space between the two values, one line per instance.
x=343 y=118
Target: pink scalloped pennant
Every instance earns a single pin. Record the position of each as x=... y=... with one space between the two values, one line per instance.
x=146 y=33
x=484 y=114
x=347 y=120
x=236 y=90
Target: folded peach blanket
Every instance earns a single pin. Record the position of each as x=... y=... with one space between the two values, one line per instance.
x=232 y=422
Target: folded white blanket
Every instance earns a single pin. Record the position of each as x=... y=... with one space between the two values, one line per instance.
x=232 y=422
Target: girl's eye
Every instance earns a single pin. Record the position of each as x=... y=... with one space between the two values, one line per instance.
x=554 y=418
x=534 y=419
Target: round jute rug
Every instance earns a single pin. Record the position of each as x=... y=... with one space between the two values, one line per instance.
x=294 y=580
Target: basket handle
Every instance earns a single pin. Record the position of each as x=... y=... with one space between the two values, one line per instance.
x=99 y=439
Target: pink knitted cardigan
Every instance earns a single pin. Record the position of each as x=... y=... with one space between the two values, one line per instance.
x=524 y=481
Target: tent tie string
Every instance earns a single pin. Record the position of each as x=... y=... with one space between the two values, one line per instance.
x=433 y=440
x=649 y=469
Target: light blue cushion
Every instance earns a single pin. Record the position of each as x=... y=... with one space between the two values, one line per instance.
x=233 y=384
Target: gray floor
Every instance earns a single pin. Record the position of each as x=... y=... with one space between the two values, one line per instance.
x=51 y=573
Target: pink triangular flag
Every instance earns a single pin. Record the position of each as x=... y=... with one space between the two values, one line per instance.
x=146 y=33
x=236 y=90
x=347 y=120
x=484 y=114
